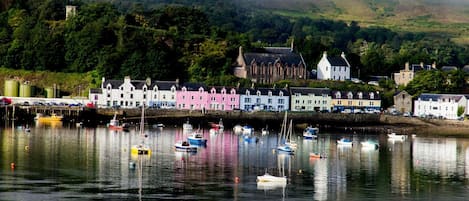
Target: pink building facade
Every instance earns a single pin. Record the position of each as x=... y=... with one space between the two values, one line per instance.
x=193 y=97
x=223 y=99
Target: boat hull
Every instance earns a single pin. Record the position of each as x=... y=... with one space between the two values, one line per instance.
x=185 y=148
x=197 y=141
x=140 y=150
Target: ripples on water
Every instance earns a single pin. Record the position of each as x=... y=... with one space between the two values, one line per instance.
x=57 y=163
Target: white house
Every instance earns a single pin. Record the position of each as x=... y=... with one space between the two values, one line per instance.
x=333 y=68
x=310 y=99
x=440 y=105
x=266 y=99
x=129 y=93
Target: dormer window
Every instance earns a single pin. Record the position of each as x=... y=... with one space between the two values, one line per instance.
x=337 y=95
x=131 y=89
x=270 y=93
x=248 y=93
x=360 y=95
x=184 y=89
x=201 y=90
x=233 y=91
x=350 y=95
x=280 y=93
x=223 y=91
x=173 y=89
x=213 y=91
x=258 y=93
x=372 y=95
x=144 y=89
x=108 y=87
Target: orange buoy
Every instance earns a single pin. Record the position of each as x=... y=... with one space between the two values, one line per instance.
x=12 y=165
x=236 y=179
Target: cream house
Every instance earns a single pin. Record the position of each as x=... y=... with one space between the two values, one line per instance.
x=310 y=99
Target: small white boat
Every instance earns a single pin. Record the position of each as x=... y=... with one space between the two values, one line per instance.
x=185 y=146
x=238 y=129
x=187 y=126
x=369 y=145
x=264 y=131
x=270 y=185
x=270 y=178
x=345 y=142
x=310 y=132
x=394 y=136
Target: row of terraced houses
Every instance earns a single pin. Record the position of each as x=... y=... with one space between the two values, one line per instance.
x=129 y=93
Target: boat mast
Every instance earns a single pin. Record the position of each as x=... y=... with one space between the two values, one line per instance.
x=142 y=120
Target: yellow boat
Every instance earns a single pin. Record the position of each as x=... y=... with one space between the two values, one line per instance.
x=52 y=118
x=140 y=149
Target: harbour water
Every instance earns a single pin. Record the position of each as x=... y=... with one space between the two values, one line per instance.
x=57 y=162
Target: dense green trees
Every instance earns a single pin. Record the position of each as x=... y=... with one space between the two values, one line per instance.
x=199 y=41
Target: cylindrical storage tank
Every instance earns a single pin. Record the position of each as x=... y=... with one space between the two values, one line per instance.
x=49 y=92
x=26 y=90
x=11 y=88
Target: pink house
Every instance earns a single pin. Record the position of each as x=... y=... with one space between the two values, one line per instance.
x=221 y=98
x=197 y=97
x=191 y=97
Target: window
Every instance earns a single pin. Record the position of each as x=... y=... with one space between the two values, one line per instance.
x=270 y=93
x=258 y=93
x=131 y=96
x=192 y=97
x=280 y=101
x=108 y=103
x=280 y=94
x=164 y=97
x=172 y=97
x=122 y=95
x=297 y=101
x=144 y=89
x=144 y=96
x=269 y=101
x=131 y=89
x=247 y=100
x=350 y=95
x=109 y=95
x=258 y=100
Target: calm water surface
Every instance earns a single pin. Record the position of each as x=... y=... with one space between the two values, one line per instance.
x=60 y=163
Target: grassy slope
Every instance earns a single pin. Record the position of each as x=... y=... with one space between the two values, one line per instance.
x=442 y=19
x=68 y=83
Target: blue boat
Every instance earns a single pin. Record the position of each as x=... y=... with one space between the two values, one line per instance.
x=285 y=148
x=185 y=146
x=310 y=132
x=196 y=139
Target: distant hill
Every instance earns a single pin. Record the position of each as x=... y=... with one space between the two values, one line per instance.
x=430 y=16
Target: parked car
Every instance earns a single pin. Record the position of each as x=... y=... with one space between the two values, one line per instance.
x=406 y=114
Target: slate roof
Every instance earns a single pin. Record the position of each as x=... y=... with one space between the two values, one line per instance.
x=449 y=68
x=96 y=91
x=190 y=86
x=272 y=55
x=264 y=91
x=114 y=83
x=165 y=85
x=307 y=90
x=337 y=61
x=435 y=97
x=418 y=67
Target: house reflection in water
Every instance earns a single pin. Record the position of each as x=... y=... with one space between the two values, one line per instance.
x=436 y=155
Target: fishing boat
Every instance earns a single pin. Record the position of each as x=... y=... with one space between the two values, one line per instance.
x=345 y=142
x=394 y=136
x=185 y=147
x=247 y=130
x=196 y=138
x=283 y=141
x=217 y=126
x=142 y=148
x=52 y=118
x=310 y=132
x=114 y=124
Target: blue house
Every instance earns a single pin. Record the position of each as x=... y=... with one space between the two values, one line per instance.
x=264 y=99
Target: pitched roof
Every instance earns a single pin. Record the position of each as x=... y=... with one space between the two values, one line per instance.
x=272 y=55
x=264 y=91
x=308 y=90
x=355 y=95
x=165 y=85
x=337 y=61
x=434 y=97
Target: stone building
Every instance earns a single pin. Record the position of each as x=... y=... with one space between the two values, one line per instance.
x=403 y=101
x=270 y=64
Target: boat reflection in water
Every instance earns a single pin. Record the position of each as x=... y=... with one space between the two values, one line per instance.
x=96 y=164
x=51 y=124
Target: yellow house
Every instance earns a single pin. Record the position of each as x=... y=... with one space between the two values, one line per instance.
x=356 y=102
